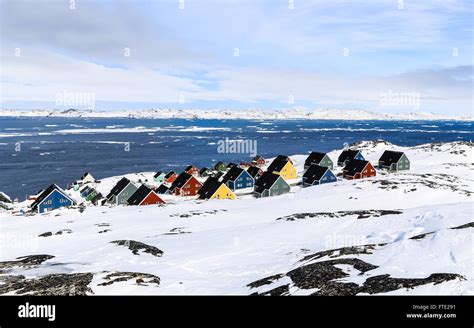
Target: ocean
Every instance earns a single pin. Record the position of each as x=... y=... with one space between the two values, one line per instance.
x=35 y=152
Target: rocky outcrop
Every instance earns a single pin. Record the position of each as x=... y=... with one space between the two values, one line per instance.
x=361 y=214
x=136 y=246
x=53 y=284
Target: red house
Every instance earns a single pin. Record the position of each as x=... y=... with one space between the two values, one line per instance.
x=358 y=169
x=144 y=196
x=170 y=177
x=191 y=169
x=185 y=185
x=258 y=161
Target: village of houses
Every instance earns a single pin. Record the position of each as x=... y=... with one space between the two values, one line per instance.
x=260 y=178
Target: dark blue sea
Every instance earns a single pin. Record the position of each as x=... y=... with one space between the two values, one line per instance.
x=35 y=152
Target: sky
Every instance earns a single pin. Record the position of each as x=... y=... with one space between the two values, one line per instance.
x=213 y=54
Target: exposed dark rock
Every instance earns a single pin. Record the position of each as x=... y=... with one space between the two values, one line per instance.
x=464 y=226
x=140 y=278
x=136 y=246
x=53 y=284
x=25 y=262
x=105 y=224
x=315 y=275
x=279 y=291
x=176 y=231
x=104 y=231
x=385 y=283
x=60 y=232
x=46 y=234
x=196 y=213
x=421 y=236
x=265 y=281
x=361 y=214
x=353 y=250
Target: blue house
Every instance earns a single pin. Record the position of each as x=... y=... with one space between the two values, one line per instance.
x=317 y=174
x=237 y=178
x=348 y=155
x=50 y=199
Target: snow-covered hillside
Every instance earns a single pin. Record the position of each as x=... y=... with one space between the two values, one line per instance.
x=403 y=233
x=251 y=114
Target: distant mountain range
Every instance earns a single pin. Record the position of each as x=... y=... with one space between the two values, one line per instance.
x=251 y=114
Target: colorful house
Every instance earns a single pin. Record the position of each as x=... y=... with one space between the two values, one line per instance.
x=50 y=199
x=349 y=154
x=358 y=169
x=318 y=158
x=144 y=196
x=270 y=184
x=170 y=177
x=159 y=177
x=185 y=185
x=91 y=195
x=237 y=178
x=255 y=172
x=258 y=161
x=245 y=165
x=191 y=169
x=214 y=189
x=87 y=178
x=394 y=161
x=317 y=174
x=85 y=191
x=121 y=192
x=220 y=166
x=204 y=172
x=284 y=168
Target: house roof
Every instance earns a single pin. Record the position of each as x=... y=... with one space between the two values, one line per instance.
x=315 y=172
x=231 y=165
x=85 y=174
x=117 y=189
x=232 y=174
x=209 y=187
x=314 y=158
x=218 y=175
x=180 y=181
x=203 y=170
x=266 y=181
x=170 y=173
x=161 y=189
x=157 y=174
x=46 y=193
x=85 y=189
x=257 y=158
x=390 y=157
x=88 y=192
x=347 y=154
x=254 y=171
x=189 y=167
x=355 y=166
x=277 y=165
x=139 y=195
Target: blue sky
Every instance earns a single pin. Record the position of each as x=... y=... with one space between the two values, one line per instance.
x=186 y=57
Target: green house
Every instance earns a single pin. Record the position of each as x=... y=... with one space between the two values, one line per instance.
x=159 y=177
x=220 y=166
x=394 y=161
x=321 y=159
x=91 y=195
x=121 y=192
x=270 y=184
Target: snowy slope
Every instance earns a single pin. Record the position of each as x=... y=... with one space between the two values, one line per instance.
x=252 y=114
x=298 y=243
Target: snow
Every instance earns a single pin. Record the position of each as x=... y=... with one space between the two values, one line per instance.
x=252 y=114
x=220 y=246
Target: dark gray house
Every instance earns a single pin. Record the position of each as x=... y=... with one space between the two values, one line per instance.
x=270 y=184
x=394 y=161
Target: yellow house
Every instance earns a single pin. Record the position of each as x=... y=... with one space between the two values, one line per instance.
x=215 y=189
x=283 y=168
x=223 y=192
